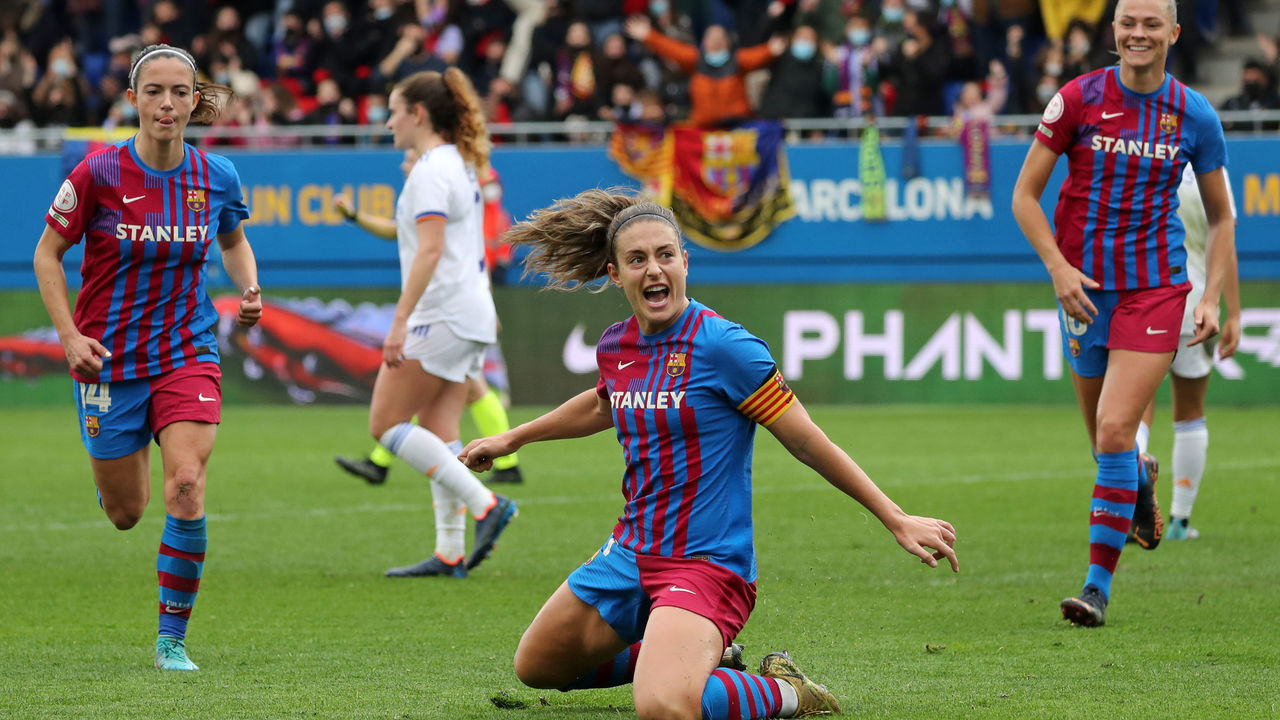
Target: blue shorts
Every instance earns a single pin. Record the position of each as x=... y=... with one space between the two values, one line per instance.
x=1146 y=320
x=624 y=588
x=119 y=418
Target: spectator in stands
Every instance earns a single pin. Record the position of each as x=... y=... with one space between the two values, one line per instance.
x=1017 y=69
x=624 y=106
x=717 y=90
x=603 y=17
x=337 y=51
x=227 y=40
x=890 y=25
x=290 y=47
x=974 y=104
x=61 y=95
x=796 y=81
x=488 y=63
x=955 y=27
x=382 y=25
x=614 y=67
x=17 y=77
x=1270 y=47
x=174 y=26
x=576 y=90
x=410 y=55
x=330 y=110
x=12 y=110
x=1080 y=54
x=916 y=70
x=857 y=68
x=1257 y=92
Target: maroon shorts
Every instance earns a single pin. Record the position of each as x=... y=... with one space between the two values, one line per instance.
x=1148 y=320
x=191 y=392
x=701 y=587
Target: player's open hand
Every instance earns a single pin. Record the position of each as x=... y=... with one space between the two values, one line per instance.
x=84 y=355
x=479 y=454
x=1206 y=319
x=918 y=535
x=1069 y=284
x=250 y=307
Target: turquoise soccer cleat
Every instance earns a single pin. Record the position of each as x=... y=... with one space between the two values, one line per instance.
x=171 y=654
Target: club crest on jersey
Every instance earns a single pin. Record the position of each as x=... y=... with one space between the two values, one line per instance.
x=91 y=425
x=1168 y=123
x=196 y=201
x=676 y=364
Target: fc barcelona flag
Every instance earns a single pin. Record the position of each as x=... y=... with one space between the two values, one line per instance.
x=727 y=187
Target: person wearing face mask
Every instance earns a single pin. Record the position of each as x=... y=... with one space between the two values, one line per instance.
x=717 y=89
x=1080 y=54
x=796 y=81
x=1257 y=92
x=61 y=95
x=339 y=51
x=856 y=65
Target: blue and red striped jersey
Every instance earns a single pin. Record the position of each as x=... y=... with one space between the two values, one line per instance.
x=147 y=235
x=1116 y=218
x=685 y=405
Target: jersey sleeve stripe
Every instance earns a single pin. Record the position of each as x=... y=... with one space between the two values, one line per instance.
x=430 y=214
x=767 y=403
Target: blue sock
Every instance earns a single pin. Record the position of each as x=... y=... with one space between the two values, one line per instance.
x=735 y=695
x=178 y=567
x=611 y=673
x=1114 y=494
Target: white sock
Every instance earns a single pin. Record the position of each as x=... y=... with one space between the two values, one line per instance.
x=427 y=454
x=1144 y=436
x=451 y=523
x=790 y=699
x=1190 y=453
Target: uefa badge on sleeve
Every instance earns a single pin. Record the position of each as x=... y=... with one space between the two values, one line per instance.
x=196 y=200
x=676 y=364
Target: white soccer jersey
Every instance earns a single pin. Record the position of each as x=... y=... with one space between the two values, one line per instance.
x=442 y=185
x=1191 y=210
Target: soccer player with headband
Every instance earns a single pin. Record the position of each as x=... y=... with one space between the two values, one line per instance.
x=659 y=604
x=140 y=343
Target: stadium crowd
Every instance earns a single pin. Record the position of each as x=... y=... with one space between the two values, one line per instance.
x=331 y=62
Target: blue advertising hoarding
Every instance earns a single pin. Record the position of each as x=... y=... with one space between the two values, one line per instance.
x=933 y=234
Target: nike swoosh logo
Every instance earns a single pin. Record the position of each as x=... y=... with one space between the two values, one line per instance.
x=579 y=358
x=680 y=589
x=1108 y=116
x=202 y=398
x=1151 y=331
x=128 y=199
x=623 y=365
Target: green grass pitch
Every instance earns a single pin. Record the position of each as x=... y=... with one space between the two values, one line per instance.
x=295 y=620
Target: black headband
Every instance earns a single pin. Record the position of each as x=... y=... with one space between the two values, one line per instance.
x=665 y=219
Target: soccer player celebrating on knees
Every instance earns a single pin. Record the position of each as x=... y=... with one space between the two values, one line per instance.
x=445 y=316
x=1117 y=260
x=1189 y=373
x=140 y=343
x=662 y=599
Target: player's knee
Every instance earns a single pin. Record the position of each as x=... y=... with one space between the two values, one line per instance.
x=666 y=706
x=184 y=491
x=123 y=515
x=1115 y=434
x=537 y=672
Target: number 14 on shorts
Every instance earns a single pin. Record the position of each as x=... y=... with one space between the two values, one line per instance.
x=95 y=394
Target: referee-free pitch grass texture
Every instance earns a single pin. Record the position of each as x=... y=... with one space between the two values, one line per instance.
x=294 y=618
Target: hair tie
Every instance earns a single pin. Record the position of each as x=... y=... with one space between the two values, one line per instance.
x=665 y=219
x=133 y=76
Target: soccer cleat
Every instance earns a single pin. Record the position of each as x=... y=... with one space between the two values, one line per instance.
x=732 y=658
x=1180 y=529
x=363 y=468
x=433 y=566
x=814 y=699
x=1089 y=608
x=1148 y=525
x=490 y=527
x=507 y=475
x=171 y=654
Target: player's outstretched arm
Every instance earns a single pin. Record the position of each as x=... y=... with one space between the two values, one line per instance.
x=84 y=354
x=584 y=414
x=381 y=227
x=810 y=445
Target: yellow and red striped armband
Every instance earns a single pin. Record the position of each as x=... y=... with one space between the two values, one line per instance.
x=767 y=404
